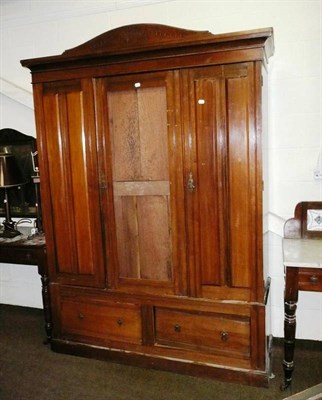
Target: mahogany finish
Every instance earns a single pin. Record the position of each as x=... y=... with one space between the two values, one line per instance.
x=150 y=151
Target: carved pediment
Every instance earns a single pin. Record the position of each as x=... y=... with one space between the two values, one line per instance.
x=129 y=40
x=138 y=36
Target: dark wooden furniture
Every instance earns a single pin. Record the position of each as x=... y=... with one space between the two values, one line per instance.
x=302 y=251
x=150 y=147
x=30 y=251
x=23 y=200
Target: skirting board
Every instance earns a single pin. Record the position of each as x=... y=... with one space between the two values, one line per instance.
x=313 y=393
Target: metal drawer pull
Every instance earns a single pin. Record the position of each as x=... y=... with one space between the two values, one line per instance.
x=191 y=184
x=314 y=279
x=224 y=336
x=81 y=316
x=120 y=322
x=177 y=328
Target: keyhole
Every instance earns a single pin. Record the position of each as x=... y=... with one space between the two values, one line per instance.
x=224 y=336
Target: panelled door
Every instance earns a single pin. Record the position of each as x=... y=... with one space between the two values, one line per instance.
x=70 y=183
x=182 y=181
x=222 y=180
x=143 y=144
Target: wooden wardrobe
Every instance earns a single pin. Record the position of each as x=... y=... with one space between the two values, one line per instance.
x=150 y=141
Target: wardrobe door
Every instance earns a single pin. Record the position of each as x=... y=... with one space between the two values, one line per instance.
x=144 y=143
x=70 y=182
x=224 y=166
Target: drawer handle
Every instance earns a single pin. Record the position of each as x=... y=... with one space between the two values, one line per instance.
x=224 y=336
x=120 y=322
x=81 y=316
x=177 y=328
x=314 y=279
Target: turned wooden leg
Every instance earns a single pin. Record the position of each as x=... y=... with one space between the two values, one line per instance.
x=290 y=305
x=289 y=342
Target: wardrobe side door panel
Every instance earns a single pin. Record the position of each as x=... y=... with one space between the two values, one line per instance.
x=242 y=182
x=224 y=166
x=72 y=176
x=210 y=179
x=206 y=164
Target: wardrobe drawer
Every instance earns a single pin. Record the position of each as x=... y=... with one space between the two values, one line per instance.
x=202 y=331
x=310 y=279
x=106 y=321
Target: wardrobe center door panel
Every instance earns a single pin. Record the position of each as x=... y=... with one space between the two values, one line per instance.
x=142 y=142
x=71 y=164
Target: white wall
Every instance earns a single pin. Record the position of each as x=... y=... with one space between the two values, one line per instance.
x=31 y=28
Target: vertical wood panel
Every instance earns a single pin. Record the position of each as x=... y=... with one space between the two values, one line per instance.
x=79 y=160
x=144 y=243
x=209 y=181
x=128 y=241
x=211 y=226
x=74 y=182
x=240 y=193
x=154 y=237
x=176 y=172
x=58 y=166
x=152 y=111
x=125 y=140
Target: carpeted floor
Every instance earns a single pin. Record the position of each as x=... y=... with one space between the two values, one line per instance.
x=30 y=370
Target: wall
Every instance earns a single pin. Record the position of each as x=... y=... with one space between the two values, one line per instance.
x=36 y=28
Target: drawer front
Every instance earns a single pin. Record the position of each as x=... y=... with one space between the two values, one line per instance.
x=203 y=331
x=105 y=321
x=23 y=255
x=310 y=279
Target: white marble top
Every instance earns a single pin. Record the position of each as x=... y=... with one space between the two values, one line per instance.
x=302 y=253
